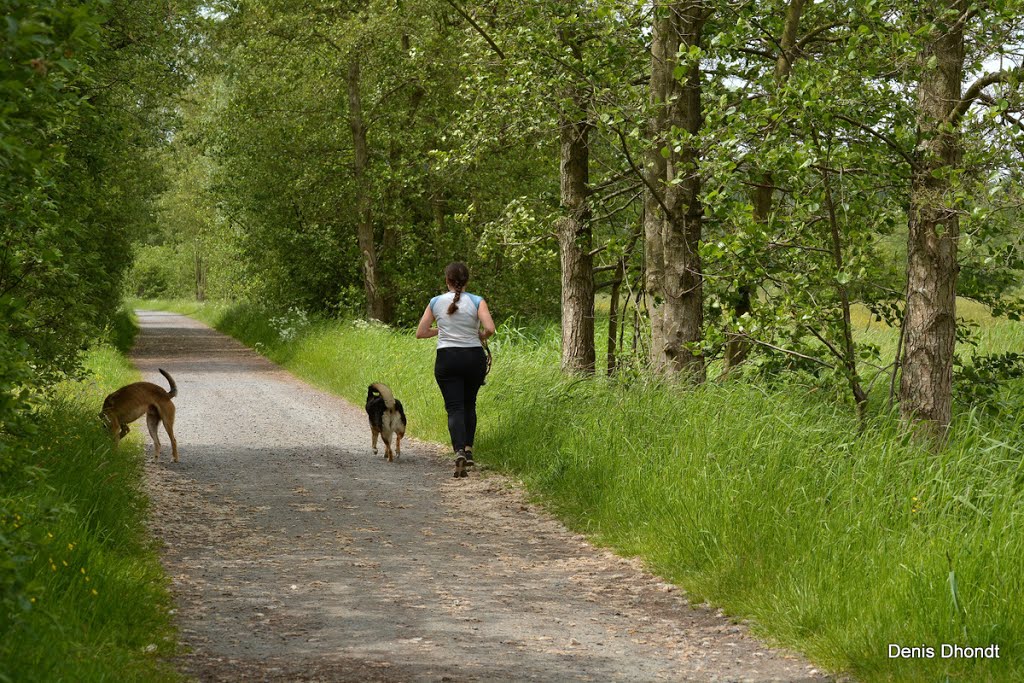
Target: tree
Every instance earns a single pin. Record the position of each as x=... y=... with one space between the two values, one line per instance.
x=937 y=199
x=672 y=210
x=571 y=63
x=83 y=86
x=575 y=236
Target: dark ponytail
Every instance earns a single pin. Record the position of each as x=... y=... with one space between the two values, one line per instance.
x=457 y=275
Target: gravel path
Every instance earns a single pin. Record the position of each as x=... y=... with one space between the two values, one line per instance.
x=297 y=555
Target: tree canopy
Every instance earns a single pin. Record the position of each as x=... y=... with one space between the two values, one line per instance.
x=735 y=179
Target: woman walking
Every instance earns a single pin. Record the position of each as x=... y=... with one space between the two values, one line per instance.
x=463 y=324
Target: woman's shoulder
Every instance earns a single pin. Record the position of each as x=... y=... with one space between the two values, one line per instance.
x=475 y=298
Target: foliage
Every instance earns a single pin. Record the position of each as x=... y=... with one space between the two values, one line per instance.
x=73 y=545
x=84 y=89
x=982 y=382
x=464 y=103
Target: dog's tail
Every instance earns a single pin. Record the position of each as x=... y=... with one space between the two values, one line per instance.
x=385 y=393
x=170 y=380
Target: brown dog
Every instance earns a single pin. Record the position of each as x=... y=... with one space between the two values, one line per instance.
x=131 y=402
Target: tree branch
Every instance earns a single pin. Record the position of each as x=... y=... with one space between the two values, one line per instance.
x=641 y=174
x=975 y=91
x=786 y=351
x=814 y=33
x=881 y=136
x=330 y=42
x=1006 y=116
x=755 y=53
x=619 y=209
x=827 y=343
x=529 y=243
x=478 y=28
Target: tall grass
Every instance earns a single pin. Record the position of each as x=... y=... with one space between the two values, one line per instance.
x=82 y=594
x=766 y=501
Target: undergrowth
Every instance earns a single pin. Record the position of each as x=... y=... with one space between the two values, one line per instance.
x=766 y=501
x=82 y=594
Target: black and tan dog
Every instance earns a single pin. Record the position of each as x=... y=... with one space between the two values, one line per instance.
x=386 y=418
x=131 y=402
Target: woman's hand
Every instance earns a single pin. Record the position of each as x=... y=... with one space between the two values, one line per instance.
x=425 y=331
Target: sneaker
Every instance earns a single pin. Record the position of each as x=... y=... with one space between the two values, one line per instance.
x=469 y=458
x=460 y=466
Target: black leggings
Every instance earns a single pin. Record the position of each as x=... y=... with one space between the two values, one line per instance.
x=460 y=373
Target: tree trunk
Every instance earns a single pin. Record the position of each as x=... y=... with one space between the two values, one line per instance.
x=673 y=212
x=574 y=242
x=613 y=317
x=437 y=210
x=200 y=270
x=934 y=226
x=787 y=53
x=375 y=307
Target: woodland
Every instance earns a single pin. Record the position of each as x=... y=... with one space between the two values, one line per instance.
x=819 y=196
x=732 y=180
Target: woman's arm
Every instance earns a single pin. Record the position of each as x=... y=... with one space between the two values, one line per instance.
x=425 y=331
x=486 y=322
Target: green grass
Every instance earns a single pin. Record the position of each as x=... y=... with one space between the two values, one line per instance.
x=766 y=501
x=82 y=594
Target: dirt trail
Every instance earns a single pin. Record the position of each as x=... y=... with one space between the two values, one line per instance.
x=297 y=555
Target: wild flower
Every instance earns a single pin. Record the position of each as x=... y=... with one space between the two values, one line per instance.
x=291 y=324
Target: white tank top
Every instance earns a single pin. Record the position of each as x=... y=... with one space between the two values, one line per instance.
x=460 y=329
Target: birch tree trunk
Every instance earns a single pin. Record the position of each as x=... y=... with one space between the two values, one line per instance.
x=673 y=211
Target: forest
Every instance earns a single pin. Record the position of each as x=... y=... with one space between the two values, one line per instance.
x=735 y=182
x=794 y=212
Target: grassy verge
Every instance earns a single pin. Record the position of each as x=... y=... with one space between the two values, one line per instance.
x=82 y=594
x=765 y=501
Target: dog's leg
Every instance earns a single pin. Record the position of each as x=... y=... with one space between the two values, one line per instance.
x=124 y=430
x=153 y=422
x=115 y=430
x=398 y=443
x=375 y=432
x=167 y=415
